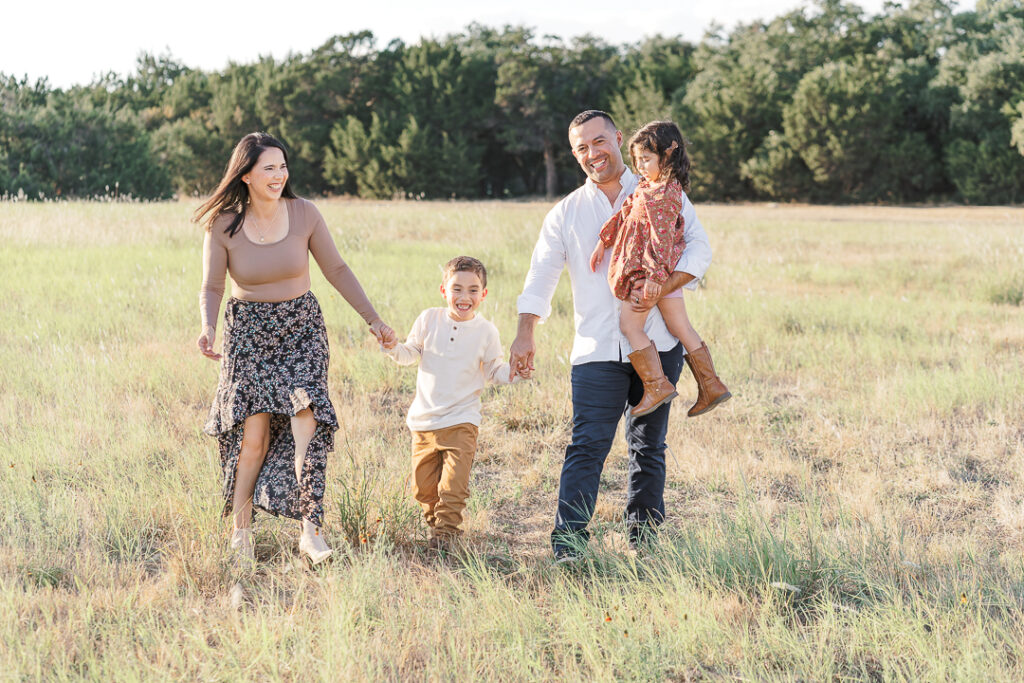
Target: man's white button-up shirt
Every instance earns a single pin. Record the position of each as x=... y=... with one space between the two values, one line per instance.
x=567 y=238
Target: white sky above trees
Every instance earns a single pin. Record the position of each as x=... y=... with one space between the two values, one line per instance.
x=71 y=42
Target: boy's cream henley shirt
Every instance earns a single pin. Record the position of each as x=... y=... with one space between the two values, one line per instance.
x=457 y=359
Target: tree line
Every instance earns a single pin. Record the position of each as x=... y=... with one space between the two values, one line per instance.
x=826 y=103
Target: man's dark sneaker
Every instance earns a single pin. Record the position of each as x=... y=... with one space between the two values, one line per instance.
x=565 y=556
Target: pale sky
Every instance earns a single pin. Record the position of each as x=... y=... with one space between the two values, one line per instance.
x=71 y=42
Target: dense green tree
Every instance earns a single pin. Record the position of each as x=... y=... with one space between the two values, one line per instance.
x=666 y=62
x=307 y=94
x=69 y=147
x=419 y=162
x=192 y=154
x=823 y=103
x=736 y=100
x=848 y=123
x=1017 y=129
x=652 y=74
x=776 y=170
x=986 y=71
x=637 y=104
x=425 y=127
x=541 y=86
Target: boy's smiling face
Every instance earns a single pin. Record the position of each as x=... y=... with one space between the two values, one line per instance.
x=464 y=293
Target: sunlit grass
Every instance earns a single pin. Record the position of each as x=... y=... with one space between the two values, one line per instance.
x=855 y=512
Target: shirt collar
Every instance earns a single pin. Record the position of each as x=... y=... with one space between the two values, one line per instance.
x=627 y=180
x=472 y=322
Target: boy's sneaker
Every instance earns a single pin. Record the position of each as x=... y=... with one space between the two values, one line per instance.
x=442 y=542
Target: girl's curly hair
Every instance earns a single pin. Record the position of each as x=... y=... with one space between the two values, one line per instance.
x=664 y=139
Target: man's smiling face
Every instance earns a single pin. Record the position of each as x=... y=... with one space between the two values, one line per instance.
x=595 y=144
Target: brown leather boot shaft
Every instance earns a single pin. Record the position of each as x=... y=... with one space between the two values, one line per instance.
x=657 y=388
x=711 y=392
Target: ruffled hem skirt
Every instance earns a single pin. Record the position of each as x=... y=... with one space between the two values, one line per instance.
x=275 y=361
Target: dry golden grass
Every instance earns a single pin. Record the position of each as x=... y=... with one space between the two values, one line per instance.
x=855 y=512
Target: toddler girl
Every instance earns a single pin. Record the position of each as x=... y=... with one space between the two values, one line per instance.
x=646 y=237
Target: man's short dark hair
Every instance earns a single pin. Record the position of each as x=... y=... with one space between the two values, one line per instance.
x=585 y=116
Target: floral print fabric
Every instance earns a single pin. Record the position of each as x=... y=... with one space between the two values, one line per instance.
x=646 y=236
x=275 y=361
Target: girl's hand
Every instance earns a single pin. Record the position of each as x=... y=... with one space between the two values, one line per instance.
x=384 y=334
x=205 y=343
x=597 y=256
x=652 y=290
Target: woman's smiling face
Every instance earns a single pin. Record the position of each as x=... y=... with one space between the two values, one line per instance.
x=268 y=176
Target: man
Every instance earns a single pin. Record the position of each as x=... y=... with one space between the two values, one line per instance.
x=604 y=383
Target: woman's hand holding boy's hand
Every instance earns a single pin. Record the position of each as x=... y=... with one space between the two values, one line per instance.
x=597 y=256
x=384 y=334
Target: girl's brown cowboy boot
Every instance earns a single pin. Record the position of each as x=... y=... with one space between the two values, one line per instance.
x=711 y=392
x=657 y=388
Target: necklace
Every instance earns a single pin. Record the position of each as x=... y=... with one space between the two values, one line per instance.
x=262 y=232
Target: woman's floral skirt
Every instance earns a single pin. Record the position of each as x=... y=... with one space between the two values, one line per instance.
x=275 y=361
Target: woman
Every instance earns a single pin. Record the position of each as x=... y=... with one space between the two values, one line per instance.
x=272 y=414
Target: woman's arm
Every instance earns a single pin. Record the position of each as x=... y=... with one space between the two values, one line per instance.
x=344 y=280
x=211 y=292
x=338 y=273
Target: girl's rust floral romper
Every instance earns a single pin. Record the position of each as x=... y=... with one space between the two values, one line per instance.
x=646 y=236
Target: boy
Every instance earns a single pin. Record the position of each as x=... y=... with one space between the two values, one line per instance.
x=459 y=352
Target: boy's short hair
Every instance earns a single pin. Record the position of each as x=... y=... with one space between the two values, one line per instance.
x=465 y=263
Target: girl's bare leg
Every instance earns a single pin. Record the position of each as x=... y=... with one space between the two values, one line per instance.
x=646 y=362
x=255 y=441
x=678 y=323
x=632 y=325
x=311 y=540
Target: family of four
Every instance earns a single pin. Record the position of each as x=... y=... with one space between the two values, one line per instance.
x=630 y=244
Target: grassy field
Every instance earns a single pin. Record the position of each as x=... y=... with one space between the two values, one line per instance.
x=856 y=512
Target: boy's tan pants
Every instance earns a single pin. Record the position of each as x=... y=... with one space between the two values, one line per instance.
x=441 y=461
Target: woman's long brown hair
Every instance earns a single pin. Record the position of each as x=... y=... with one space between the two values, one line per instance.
x=232 y=195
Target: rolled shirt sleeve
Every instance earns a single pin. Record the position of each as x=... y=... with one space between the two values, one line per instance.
x=549 y=257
